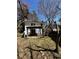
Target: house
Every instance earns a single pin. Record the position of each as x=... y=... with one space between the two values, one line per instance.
x=33 y=27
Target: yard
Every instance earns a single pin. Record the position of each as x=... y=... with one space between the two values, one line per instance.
x=35 y=48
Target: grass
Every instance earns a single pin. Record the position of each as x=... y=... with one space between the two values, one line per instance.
x=45 y=42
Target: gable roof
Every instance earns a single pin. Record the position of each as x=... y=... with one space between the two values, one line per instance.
x=32 y=18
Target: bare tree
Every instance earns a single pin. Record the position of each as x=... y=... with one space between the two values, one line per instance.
x=22 y=12
x=49 y=8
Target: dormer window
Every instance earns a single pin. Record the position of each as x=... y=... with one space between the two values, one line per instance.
x=32 y=24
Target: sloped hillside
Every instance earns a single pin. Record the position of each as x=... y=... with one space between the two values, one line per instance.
x=36 y=48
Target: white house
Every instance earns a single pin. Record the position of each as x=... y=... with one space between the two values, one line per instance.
x=33 y=27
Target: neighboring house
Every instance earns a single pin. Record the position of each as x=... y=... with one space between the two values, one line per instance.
x=33 y=27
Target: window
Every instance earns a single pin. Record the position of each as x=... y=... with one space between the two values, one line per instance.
x=32 y=24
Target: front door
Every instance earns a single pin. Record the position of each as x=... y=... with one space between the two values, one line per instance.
x=33 y=32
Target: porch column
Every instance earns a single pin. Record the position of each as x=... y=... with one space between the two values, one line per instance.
x=41 y=31
x=25 y=32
